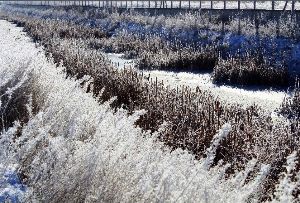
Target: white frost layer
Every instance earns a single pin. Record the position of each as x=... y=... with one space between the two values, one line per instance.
x=83 y=151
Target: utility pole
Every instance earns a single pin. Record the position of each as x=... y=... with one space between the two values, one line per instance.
x=286 y=2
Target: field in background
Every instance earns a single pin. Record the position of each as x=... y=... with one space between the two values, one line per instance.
x=264 y=5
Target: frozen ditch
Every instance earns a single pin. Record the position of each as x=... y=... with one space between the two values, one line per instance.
x=267 y=99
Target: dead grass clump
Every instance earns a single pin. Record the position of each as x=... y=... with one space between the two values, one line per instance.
x=60 y=29
x=185 y=59
x=249 y=71
x=128 y=44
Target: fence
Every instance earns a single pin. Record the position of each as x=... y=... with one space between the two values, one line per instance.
x=198 y=4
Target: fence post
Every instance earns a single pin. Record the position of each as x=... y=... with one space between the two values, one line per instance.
x=239 y=25
x=254 y=5
x=200 y=4
x=256 y=24
x=239 y=4
x=273 y=5
x=277 y=26
x=294 y=20
x=224 y=4
x=286 y=2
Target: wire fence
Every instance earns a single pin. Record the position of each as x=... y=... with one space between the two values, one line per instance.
x=199 y=4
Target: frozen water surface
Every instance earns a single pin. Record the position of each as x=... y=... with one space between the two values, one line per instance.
x=267 y=99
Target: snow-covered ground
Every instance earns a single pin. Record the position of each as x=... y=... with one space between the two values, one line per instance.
x=118 y=61
x=11 y=189
x=79 y=150
x=267 y=99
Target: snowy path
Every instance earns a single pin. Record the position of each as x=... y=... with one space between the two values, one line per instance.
x=267 y=99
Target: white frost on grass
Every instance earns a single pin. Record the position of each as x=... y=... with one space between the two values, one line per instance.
x=77 y=150
x=285 y=188
x=211 y=151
